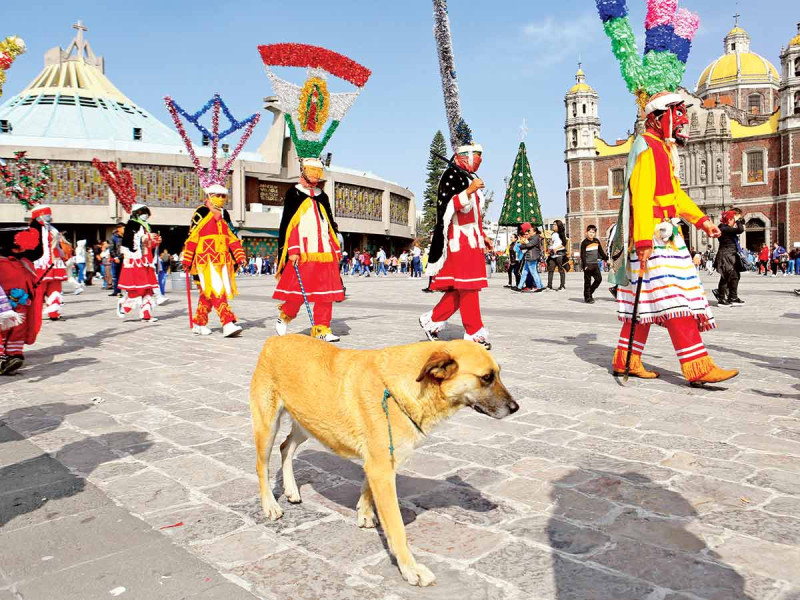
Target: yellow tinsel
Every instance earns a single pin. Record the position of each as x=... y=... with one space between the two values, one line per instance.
x=322 y=113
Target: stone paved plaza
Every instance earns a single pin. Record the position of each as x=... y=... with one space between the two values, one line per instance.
x=127 y=464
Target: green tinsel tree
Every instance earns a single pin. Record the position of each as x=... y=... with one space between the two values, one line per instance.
x=435 y=168
x=521 y=204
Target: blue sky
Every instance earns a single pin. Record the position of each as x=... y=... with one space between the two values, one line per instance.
x=515 y=59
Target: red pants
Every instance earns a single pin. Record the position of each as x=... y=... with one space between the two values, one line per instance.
x=146 y=309
x=467 y=301
x=323 y=311
x=686 y=340
x=51 y=297
x=220 y=304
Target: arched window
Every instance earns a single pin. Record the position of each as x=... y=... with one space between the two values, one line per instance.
x=584 y=109
x=574 y=138
x=574 y=109
x=754 y=104
x=797 y=67
x=797 y=101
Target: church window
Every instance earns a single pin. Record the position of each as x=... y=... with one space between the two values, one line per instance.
x=5 y=126
x=754 y=104
x=574 y=109
x=206 y=141
x=797 y=67
x=797 y=100
x=584 y=109
x=754 y=161
x=137 y=134
x=574 y=138
x=617 y=182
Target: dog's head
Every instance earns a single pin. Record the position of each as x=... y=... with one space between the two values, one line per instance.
x=467 y=375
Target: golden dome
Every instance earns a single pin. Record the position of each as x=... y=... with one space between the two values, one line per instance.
x=737 y=30
x=580 y=83
x=737 y=68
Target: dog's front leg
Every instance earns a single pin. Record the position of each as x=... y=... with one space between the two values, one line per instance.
x=365 y=511
x=381 y=478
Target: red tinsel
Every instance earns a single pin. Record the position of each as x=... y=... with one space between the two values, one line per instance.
x=304 y=55
x=27 y=240
x=120 y=182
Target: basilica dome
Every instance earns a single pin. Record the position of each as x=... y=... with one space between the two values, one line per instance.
x=739 y=66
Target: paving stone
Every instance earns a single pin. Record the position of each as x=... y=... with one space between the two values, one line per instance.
x=705 y=494
x=559 y=535
x=784 y=505
x=673 y=570
x=777 y=461
x=285 y=575
x=782 y=481
x=720 y=450
x=198 y=523
x=672 y=533
x=541 y=574
x=152 y=452
x=430 y=465
x=652 y=498
x=196 y=471
x=775 y=561
x=635 y=452
x=234 y=491
x=533 y=492
x=339 y=540
x=149 y=491
x=758 y=524
x=239 y=548
x=476 y=477
x=464 y=504
x=187 y=434
x=294 y=515
x=482 y=455
x=720 y=469
x=767 y=443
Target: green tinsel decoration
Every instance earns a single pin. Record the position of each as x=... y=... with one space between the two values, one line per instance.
x=623 y=45
x=662 y=71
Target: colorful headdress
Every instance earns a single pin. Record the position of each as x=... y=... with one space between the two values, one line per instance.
x=214 y=175
x=309 y=108
x=460 y=133
x=668 y=42
x=28 y=188
x=120 y=182
x=10 y=49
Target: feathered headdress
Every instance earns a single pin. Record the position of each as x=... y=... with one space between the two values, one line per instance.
x=309 y=108
x=28 y=188
x=120 y=182
x=669 y=34
x=10 y=49
x=214 y=175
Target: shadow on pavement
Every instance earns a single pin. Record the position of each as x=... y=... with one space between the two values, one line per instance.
x=41 y=418
x=43 y=482
x=646 y=544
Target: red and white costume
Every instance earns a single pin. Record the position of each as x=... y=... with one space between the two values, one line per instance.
x=138 y=277
x=457 y=261
x=50 y=268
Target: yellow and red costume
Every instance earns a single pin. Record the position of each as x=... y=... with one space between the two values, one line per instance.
x=211 y=254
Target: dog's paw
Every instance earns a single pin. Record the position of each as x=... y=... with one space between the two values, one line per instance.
x=293 y=497
x=366 y=520
x=272 y=510
x=418 y=574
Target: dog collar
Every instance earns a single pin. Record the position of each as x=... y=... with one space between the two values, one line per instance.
x=385 y=404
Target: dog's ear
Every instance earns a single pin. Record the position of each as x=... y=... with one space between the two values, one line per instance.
x=440 y=365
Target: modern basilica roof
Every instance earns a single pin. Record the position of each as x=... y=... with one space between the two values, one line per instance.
x=73 y=104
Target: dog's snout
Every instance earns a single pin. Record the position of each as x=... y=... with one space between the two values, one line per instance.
x=513 y=407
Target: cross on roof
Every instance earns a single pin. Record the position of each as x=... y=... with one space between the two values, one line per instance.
x=81 y=28
x=736 y=19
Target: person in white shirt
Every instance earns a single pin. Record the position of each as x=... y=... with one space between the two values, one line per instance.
x=381 y=263
x=80 y=264
x=416 y=261
x=404 y=262
x=557 y=255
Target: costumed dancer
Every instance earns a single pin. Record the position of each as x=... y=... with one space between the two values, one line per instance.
x=20 y=248
x=50 y=268
x=137 y=278
x=656 y=279
x=309 y=241
x=456 y=262
x=213 y=252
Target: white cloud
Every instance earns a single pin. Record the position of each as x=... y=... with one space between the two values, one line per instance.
x=559 y=40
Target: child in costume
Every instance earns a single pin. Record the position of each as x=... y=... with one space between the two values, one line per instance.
x=456 y=262
x=50 y=268
x=213 y=252
x=652 y=252
x=309 y=240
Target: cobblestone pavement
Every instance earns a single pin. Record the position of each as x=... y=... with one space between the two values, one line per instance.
x=592 y=491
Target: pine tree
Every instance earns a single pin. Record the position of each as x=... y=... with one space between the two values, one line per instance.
x=521 y=204
x=435 y=168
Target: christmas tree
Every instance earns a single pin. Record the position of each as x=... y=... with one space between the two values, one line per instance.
x=435 y=168
x=521 y=204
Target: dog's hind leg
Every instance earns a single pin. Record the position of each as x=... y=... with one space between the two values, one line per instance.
x=365 y=511
x=381 y=477
x=266 y=409
x=296 y=437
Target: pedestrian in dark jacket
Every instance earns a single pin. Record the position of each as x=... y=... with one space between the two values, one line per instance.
x=116 y=257
x=591 y=253
x=513 y=263
x=728 y=263
x=531 y=244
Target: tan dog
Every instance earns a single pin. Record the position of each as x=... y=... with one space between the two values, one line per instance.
x=336 y=396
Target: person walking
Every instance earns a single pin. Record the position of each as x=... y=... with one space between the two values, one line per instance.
x=105 y=265
x=356 y=263
x=591 y=253
x=513 y=262
x=763 y=259
x=728 y=262
x=366 y=263
x=116 y=258
x=259 y=265
x=80 y=265
x=792 y=265
x=381 y=267
x=778 y=252
x=344 y=262
x=557 y=255
x=531 y=246
x=163 y=271
x=416 y=260
x=404 y=262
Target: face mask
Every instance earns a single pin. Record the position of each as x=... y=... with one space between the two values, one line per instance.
x=47 y=219
x=144 y=217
